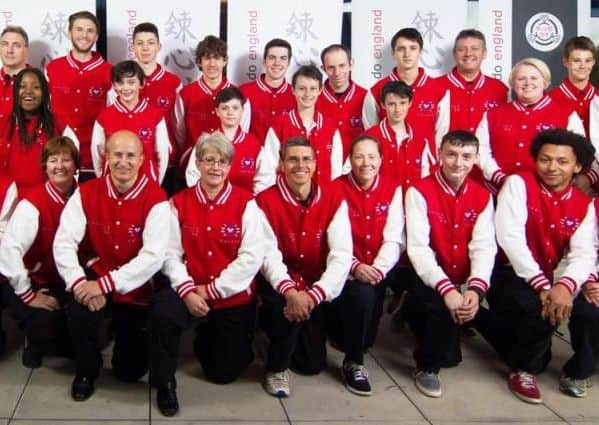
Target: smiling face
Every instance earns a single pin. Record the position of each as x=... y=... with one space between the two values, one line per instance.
x=457 y=162
x=276 y=63
x=214 y=169
x=84 y=35
x=579 y=65
x=396 y=108
x=146 y=47
x=306 y=91
x=124 y=156
x=30 y=93
x=128 y=90
x=469 y=53
x=528 y=84
x=60 y=168
x=230 y=113
x=212 y=67
x=406 y=54
x=556 y=165
x=13 y=51
x=337 y=66
x=365 y=162
x=298 y=166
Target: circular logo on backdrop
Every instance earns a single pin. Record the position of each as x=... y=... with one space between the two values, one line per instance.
x=544 y=32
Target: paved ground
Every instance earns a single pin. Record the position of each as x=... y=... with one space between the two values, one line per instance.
x=475 y=392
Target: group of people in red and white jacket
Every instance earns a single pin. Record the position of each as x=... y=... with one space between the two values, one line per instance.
x=310 y=197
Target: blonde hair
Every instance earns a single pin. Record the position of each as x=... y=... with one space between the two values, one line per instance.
x=216 y=141
x=535 y=63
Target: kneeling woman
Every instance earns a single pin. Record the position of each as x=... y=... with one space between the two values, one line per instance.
x=214 y=253
x=36 y=291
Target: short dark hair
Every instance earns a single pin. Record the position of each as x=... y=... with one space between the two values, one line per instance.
x=582 y=147
x=227 y=94
x=460 y=138
x=60 y=144
x=125 y=69
x=398 y=88
x=84 y=14
x=277 y=42
x=470 y=33
x=211 y=46
x=409 y=33
x=293 y=142
x=332 y=48
x=17 y=30
x=362 y=137
x=146 y=27
x=308 y=71
x=580 y=43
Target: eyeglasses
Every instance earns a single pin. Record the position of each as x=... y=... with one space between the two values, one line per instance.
x=211 y=162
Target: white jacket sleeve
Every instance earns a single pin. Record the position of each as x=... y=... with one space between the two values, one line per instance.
x=68 y=132
x=174 y=268
x=240 y=272
x=482 y=249
x=19 y=236
x=180 y=130
x=575 y=124
x=266 y=172
x=487 y=163
x=71 y=231
x=510 y=227
x=336 y=156
x=163 y=147
x=149 y=259
x=192 y=173
x=370 y=111
x=246 y=117
x=421 y=255
x=443 y=118
x=97 y=148
x=8 y=206
x=272 y=145
x=394 y=241
x=594 y=124
x=339 y=258
x=273 y=268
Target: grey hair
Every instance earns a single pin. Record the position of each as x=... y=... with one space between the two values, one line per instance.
x=216 y=141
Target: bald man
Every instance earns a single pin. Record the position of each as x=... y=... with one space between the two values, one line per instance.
x=123 y=218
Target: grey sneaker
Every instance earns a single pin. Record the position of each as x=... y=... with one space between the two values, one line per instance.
x=573 y=387
x=277 y=383
x=428 y=383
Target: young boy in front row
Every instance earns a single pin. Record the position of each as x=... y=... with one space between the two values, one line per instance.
x=451 y=245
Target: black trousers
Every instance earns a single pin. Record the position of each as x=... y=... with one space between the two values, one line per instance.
x=130 y=353
x=349 y=318
x=299 y=346
x=223 y=342
x=44 y=329
x=513 y=323
x=584 y=337
x=437 y=335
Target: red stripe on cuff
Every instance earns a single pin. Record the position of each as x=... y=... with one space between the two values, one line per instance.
x=444 y=286
x=380 y=273
x=568 y=282
x=498 y=177
x=592 y=176
x=354 y=263
x=27 y=296
x=106 y=284
x=285 y=285
x=317 y=294
x=185 y=288
x=77 y=282
x=478 y=283
x=212 y=292
x=539 y=282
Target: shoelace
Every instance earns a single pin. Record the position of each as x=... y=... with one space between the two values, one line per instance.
x=280 y=379
x=359 y=373
x=528 y=380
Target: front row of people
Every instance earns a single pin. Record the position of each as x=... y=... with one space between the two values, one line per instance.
x=319 y=256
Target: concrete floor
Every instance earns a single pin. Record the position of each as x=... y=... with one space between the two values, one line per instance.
x=474 y=392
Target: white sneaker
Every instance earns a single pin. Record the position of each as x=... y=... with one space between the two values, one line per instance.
x=277 y=383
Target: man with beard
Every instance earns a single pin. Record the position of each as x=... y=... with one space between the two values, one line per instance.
x=79 y=83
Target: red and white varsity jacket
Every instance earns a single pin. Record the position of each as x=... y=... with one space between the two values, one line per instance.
x=6 y=89
x=199 y=115
x=128 y=233
x=263 y=104
x=307 y=247
x=250 y=168
x=26 y=249
x=215 y=243
x=506 y=132
x=451 y=237
x=162 y=88
x=377 y=222
x=346 y=109
x=464 y=102
x=548 y=237
x=9 y=197
x=423 y=112
x=144 y=120
x=79 y=92
x=406 y=157
x=578 y=100
x=323 y=136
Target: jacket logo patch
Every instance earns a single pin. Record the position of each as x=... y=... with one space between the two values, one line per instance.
x=96 y=91
x=426 y=106
x=134 y=231
x=470 y=216
x=381 y=208
x=355 y=122
x=163 y=101
x=491 y=104
x=230 y=231
x=569 y=224
x=145 y=133
x=542 y=126
x=247 y=163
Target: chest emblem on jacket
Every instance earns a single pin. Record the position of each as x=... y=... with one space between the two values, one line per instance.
x=230 y=231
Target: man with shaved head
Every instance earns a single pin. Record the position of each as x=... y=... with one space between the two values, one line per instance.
x=123 y=219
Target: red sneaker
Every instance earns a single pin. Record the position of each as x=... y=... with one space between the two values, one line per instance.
x=524 y=386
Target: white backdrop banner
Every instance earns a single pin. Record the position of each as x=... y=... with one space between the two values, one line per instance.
x=308 y=25
x=495 y=22
x=181 y=24
x=46 y=24
x=375 y=21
